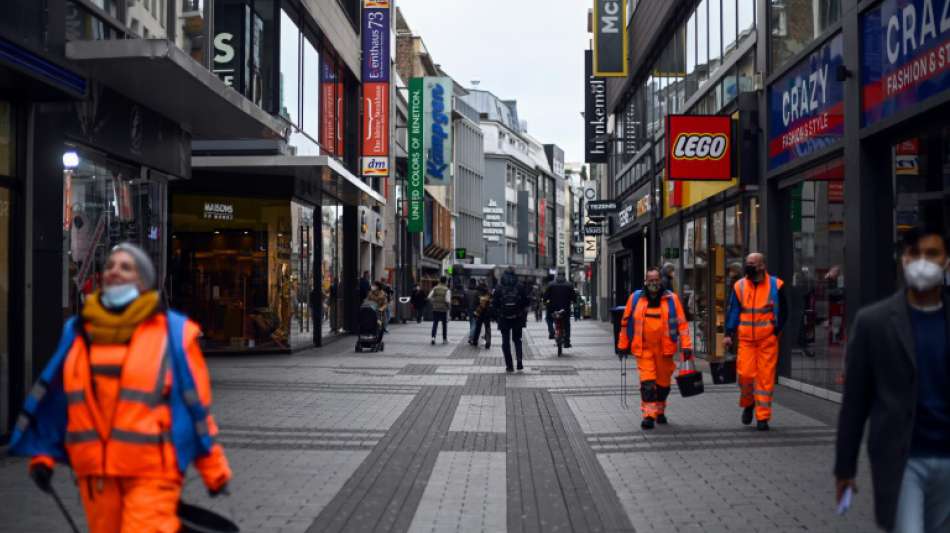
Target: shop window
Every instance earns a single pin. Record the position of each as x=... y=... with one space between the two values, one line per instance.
x=715 y=34
x=816 y=323
x=6 y=139
x=691 y=77
x=921 y=182
x=243 y=270
x=332 y=269
x=105 y=203
x=263 y=39
x=6 y=199
x=729 y=42
x=796 y=23
x=702 y=40
x=745 y=9
x=289 y=103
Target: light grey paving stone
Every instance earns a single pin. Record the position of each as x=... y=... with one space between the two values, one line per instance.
x=480 y=414
x=464 y=493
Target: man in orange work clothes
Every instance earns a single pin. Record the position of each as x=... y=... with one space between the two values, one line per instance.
x=652 y=328
x=125 y=402
x=756 y=313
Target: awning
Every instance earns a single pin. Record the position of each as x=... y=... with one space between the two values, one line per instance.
x=335 y=180
x=164 y=78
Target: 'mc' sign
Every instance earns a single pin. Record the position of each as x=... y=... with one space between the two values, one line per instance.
x=699 y=147
x=610 y=38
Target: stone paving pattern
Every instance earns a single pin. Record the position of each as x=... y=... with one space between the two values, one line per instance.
x=438 y=438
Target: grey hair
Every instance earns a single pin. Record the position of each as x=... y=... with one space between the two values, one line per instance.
x=143 y=263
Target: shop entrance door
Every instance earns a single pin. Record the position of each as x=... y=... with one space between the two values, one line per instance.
x=622 y=279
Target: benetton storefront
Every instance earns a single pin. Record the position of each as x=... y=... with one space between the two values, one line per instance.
x=858 y=152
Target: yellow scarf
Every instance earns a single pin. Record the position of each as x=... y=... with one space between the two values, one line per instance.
x=106 y=327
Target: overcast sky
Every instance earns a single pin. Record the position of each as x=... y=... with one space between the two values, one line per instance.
x=531 y=51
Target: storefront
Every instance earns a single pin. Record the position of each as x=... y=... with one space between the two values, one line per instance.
x=266 y=250
x=630 y=245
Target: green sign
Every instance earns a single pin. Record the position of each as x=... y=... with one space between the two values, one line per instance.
x=796 y=209
x=461 y=253
x=417 y=168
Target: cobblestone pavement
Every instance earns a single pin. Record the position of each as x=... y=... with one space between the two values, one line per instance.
x=439 y=438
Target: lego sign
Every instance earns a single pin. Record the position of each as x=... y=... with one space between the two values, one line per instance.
x=699 y=147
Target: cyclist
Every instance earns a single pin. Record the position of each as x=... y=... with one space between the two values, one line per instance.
x=560 y=295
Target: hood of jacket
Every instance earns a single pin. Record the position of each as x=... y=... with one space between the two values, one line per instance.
x=509 y=279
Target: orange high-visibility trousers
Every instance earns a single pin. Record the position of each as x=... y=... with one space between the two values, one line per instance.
x=756 y=366
x=654 y=368
x=130 y=504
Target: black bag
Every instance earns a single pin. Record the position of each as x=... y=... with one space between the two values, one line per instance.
x=689 y=380
x=511 y=304
x=723 y=372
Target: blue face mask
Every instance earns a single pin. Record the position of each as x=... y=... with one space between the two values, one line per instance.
x=119 y=296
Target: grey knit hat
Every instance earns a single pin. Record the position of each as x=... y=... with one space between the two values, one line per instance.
x=142 y=262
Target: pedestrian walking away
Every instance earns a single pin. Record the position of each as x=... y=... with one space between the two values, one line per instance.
x=418 y=300
x=125 y=403
x=755 y=316
x=471 y=303
x=898 y=376
x=440 y=298
x=510 y=308
x=652 y=329
x=482 y=313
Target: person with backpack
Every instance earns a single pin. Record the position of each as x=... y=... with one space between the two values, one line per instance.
x=127 y=414
x=441 y=299
x=560 y=295
x=510 y=308
x=652 y=329
x=471 y=303
x=482 y=313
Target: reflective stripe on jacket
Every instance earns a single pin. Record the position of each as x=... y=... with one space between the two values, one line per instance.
x=675 y=330
x=753 y=308
x=161 y=422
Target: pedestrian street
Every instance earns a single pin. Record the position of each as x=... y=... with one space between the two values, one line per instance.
x=439 y=438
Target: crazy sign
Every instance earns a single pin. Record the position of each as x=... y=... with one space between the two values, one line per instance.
x=699 y=147
x=806 y=110
x=905 y=48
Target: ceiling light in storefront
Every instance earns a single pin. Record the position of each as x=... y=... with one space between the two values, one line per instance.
x=70 y=159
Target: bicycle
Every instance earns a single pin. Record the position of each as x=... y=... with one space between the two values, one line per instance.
x=559 y=330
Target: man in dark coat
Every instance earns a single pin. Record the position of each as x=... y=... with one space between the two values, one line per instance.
x=898 y=375
x=560 y=296
x=510 y=309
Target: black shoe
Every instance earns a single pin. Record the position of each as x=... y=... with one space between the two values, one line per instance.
x=509 y=370
x=551 y=336
x=488 y=346
x=762 y=425
x=747 y=415
x=567 y=345
x=433 y=341
x=661 y=419
x=520 y=367
x=647 y=423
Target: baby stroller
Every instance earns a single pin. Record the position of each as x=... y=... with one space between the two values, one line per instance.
x=370 y=322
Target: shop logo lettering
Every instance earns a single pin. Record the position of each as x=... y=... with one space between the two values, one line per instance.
x=224 y=55
x=700 y=146
x=906 y=31
x=610 y=20
x=806 y=96
x=435 y=163
x=218 y=211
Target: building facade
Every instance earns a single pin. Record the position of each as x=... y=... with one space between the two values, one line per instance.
x=816 y=182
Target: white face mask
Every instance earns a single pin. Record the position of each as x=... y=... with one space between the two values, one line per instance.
x=923 y=275
x=119 y=296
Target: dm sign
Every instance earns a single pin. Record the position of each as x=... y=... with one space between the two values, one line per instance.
x=699 y=147
x=905 y=46
x=806 y=109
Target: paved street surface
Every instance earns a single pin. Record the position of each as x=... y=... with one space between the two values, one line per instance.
x=438 y=438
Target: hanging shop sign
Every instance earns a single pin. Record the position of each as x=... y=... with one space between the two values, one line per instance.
x=417 y=172
x=542 y=233
x=594 y=230
x=376 y=64
x=601 y=207
x=699 y=147
x=437 y=125
x=905 y=47
x=595 y=114
x=806 y=106
x=610 y=38
x=493 y=222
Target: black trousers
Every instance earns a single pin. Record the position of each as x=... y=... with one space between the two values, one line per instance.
x=478 y=331
x=439 y=316
x=509 y=334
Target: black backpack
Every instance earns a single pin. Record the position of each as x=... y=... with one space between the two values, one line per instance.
x=510 y=303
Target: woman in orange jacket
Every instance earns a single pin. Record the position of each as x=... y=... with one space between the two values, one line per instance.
x=125 y=403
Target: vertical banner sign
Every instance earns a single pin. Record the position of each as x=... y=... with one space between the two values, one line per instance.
x=328 y=105
x=228 y=45
x=417 y=171
x=610 y=38
x=595 y=114
x=437 y=113
x=524 y=222
x=376 y=63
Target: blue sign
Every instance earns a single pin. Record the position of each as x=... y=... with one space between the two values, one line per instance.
x=376 y=35
x=905 y=46
x=806 y=106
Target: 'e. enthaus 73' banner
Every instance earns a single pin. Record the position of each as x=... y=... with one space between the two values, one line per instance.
x=376 y=66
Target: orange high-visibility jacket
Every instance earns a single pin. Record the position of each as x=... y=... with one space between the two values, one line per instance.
x=138 y=441
x=757 y=306
x=676 y=327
